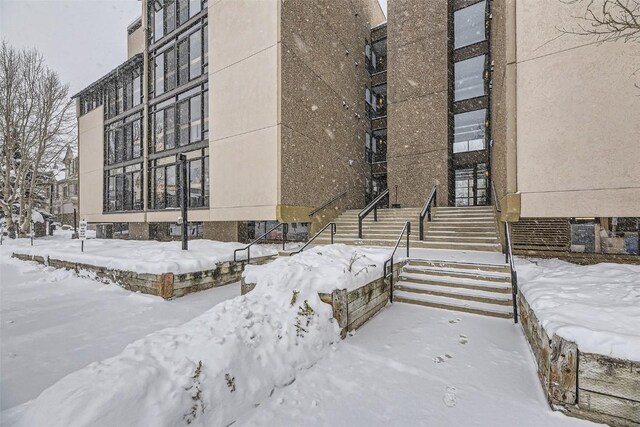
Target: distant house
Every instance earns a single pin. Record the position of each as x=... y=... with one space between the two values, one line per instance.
x=65 y=192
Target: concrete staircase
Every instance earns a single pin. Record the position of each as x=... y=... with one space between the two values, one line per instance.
x=473 y=288
x=468 y=228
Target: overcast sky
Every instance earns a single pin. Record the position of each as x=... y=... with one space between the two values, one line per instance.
x=80 y=39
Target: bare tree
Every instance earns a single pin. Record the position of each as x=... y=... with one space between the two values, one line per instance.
x=36 y=124
x=608 y=20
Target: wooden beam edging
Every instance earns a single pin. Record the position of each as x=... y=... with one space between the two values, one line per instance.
x=585 y=385
x=354 y=308
x=166 y=285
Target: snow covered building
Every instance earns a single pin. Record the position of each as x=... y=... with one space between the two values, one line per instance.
x=64 y=199
x=487 y=99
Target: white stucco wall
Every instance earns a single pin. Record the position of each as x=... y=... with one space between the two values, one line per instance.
x=578 y=117
x=244 y=121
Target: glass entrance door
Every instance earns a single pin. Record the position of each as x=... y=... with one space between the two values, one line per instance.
x=471 y=185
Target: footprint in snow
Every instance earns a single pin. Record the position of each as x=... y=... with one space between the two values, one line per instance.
x=463 y=339
x=438 y=359
x=450 y=399
x=456 y=320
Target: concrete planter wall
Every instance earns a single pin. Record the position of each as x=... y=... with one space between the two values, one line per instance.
x=166 y=285
x=354 y=308
x=585 y=385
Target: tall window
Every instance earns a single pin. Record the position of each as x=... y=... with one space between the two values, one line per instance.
x=469 y=25
x=159 y=75
x=183 y=62
x=166 y=181
x=158 y=20
x=124 y=188
x=158 y=127
x=169 y=16
x=469 y=132
x=170 y=69
x=169 y=128
x=469 y=78
x=195 y=55
x=183 y=123
x=137 y=86
x=195 y=119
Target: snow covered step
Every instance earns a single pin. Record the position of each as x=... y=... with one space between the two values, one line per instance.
x=456 y=293
x=454 y=304
x=468 y=228
x=464 y=220
x=492 y=247
x=462 y=273
x=457 y=282
x=504 y=268
x=461 y=238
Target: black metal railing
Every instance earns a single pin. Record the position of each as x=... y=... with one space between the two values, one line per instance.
x=388 y=264
x=426 y=209
x=339 y=196
x=373 y=206
x=333 y=233
x=494 y=195
x=285 y=228
x=514 y=275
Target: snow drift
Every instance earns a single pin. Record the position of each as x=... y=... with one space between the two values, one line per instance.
x=214 y=368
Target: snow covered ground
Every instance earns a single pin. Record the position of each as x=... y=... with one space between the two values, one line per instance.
x=414 y=366
x=54 y=323
x=596 y=306
x=142 y=256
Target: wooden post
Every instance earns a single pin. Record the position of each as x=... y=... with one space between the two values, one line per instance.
x=340 y=305
x=563 y=371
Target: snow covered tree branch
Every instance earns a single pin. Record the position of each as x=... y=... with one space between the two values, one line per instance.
x=36 y=124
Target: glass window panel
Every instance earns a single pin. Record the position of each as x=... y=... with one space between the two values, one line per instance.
x=172 y=187
x=159 y=130
x=195 y=55
x=469 y=25
x=170 y=69
x=183 y=62
x=128 y=192
x=136 y=142
x=206 y=182
x=119 y=145
x=170 y=16
x=137 y=191
x=160 y=201
x=205 y=97
x=195 y=183
x=111 y=194
x=169 y=128
x=183 y=123
x=128 y=92
x=205 y=43
x=469 y=79
x=111 y=147
x=159 y=75
x=158 y=20
x=119 y=192
x=194 y=7
x=183 y=11
x=469 y=132
x=195 y=119
x=137 y=99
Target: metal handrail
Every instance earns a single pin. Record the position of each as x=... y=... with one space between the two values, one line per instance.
x=285 y=228
x=373 y=206
x=339 y=196
x=333 y=233
x=385 y=275
x=496 y=201
x=514 y=274
x=426 y=209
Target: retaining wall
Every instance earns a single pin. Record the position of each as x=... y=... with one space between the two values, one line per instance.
x=585 y=385
x=165 y=285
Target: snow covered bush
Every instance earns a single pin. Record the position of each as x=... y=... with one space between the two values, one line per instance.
x=217 y=366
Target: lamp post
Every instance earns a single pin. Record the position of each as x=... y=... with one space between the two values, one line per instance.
x=182 y=161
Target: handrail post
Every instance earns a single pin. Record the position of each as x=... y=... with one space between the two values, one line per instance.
x=375 y=213
x=248 y=254
x=359 y=227
x=391 y=282
x=408 y=233
x=333 y=231
x=284 y=235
